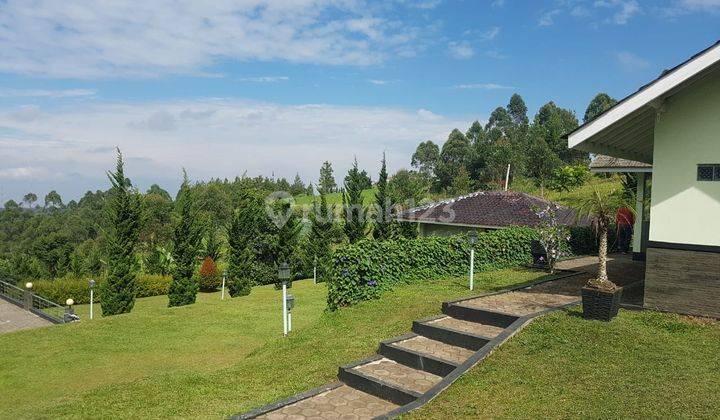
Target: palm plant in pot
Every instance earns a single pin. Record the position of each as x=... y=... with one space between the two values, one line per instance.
x=600 y=296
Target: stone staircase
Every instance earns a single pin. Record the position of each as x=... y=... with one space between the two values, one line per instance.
x=411 y=369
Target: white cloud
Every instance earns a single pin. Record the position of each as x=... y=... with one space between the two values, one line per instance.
x=485 y=86
x=379 y=82
x=498 y=3
x=548 y=18
x=630 y=61
x=708 y=5
x=624 y=9
x=23 y=173
x=41 y=93
x=461 y=50
x=209 y=137
x=80 y=39
x=265 y=79
x=491 y=33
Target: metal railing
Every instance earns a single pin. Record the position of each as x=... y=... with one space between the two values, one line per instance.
x=31 y=302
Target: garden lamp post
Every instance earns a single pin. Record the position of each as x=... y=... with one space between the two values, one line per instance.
x=92 y=296
x=222 y=292
x=28 y=295
x=284 y=276
x=69 y=312
x=473 y=240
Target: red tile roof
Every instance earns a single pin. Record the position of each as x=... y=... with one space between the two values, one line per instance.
x=490 y=209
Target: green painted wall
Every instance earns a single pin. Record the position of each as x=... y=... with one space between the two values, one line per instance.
x=687 y=133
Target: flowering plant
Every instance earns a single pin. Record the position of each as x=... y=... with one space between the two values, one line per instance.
x=552 y=235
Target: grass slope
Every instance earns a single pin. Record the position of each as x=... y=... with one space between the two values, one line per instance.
x=334 y=198
x=641 y=365
x=211 y=359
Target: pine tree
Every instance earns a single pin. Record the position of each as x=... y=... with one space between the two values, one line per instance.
x=123 y=213
x=297 y=187
x=186 y=240
x=321 y=237
x=355 y=222
x=382 y=229
x=326 y=184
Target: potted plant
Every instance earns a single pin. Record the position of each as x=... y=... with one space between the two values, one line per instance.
x=600 y=296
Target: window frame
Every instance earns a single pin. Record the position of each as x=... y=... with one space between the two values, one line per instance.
x=714 y=172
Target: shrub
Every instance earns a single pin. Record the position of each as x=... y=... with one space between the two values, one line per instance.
x=568 y=177
x=208 y=277
x=364 y=270
x=60 y=289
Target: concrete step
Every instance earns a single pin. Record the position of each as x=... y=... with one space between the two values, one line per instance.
x=388 y=379
x=461 y=310
x=424 y=353
x=435 y=328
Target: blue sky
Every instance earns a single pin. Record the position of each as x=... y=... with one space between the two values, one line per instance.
x=277 y=87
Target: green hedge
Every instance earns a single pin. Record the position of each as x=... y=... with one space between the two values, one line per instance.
x=364 y=270
x=61 y=289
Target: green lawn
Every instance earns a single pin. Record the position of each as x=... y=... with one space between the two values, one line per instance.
x=335 y=198
x=641 y=365
x=211 y=359
x=568 y=198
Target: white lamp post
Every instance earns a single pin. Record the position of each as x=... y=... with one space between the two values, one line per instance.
x=284 y=276
x=222 y=292
x=315 y=270
x=92 y=296
x=473 y=240
x=28 y=295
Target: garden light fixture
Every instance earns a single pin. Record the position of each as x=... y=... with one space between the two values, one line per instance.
x=222 y=292
x=283 y=277
x=28 y=285
x=473 y=236
x=91 y=283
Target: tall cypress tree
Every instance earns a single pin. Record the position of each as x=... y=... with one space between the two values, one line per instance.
x=382 y=229
x=321 y=236
x=242 y=235
x=355 y=222
x=186 y=240
x=123 y=213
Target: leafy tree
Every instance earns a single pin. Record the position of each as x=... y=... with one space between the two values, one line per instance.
x=461 y=182
x=156 y=209
x=364 y=179
x=599 y=104
x=186 y=237
x=426 y=157
x=517 y=110
x=123 y=213
x=11 y=205
x=500 y=119
x=541 y=160
x=53 y=200
x=326 y=184
x=556 y=122
x=476 y=133
x=29 y=199
x=407 y=188
x=155 y=189
x=383 y=222
x=355 y=222
x=455 y=153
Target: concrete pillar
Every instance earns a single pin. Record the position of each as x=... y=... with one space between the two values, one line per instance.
x=640 y=198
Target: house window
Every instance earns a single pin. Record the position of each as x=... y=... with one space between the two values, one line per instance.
x=708 y=172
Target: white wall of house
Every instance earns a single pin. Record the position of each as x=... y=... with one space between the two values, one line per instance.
x=687 y=133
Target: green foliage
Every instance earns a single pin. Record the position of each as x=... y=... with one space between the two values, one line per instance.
x=455 y=154
x=208 y=277
x=599 y=104
x=60 y=289
x=119 y=290
x=407 y=188
x=426 y=157
x=353 y=209
x=569 y=177
x=382 y=228
x=240 y=272
x=211 y=245
x=243 y=236
x=186 y=239
x=326 y=183
x=364 y=270
x=320 y=239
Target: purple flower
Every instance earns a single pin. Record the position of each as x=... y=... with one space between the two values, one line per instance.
x=372 y=283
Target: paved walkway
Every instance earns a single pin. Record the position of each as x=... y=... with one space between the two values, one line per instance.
x=13 y=318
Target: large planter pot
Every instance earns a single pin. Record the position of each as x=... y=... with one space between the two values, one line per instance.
x=600 y=305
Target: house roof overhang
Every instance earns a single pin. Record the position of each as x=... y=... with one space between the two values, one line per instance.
x=627 y=129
